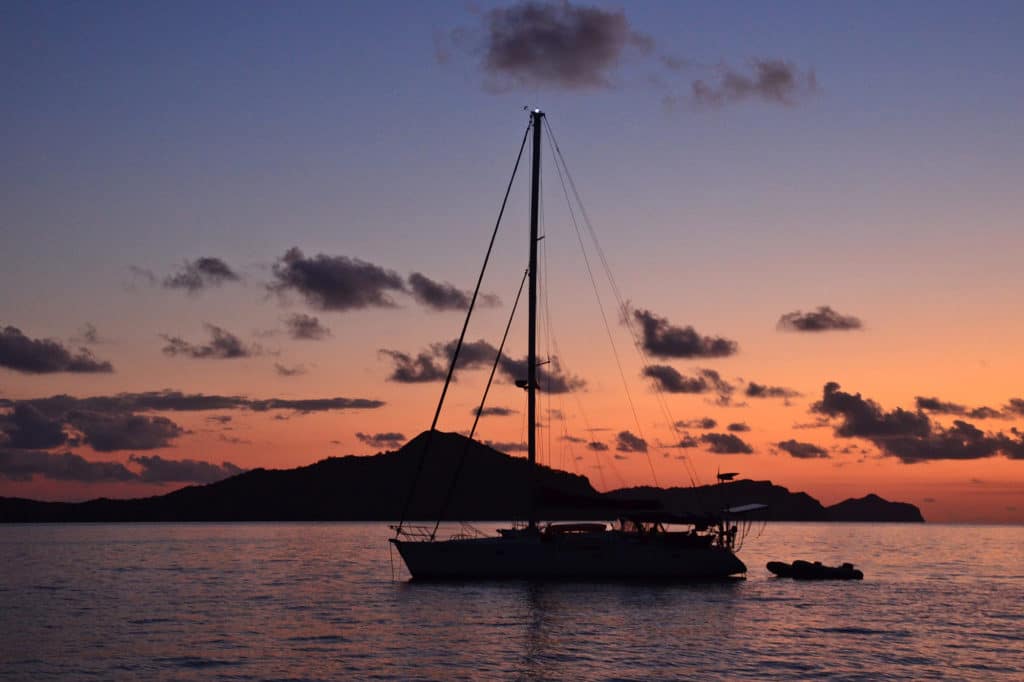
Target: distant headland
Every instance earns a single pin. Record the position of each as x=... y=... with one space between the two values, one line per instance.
x=490 y=486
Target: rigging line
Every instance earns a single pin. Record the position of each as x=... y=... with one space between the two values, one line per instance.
x=479 y=410
x=597 y=294
x=623 y=307
x=462 y=336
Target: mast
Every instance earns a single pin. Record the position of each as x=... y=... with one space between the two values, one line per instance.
x=531 y=359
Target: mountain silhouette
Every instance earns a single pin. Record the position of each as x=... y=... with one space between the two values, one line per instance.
x=490 y=485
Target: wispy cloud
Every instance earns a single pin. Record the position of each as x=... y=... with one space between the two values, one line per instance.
x=821 y=320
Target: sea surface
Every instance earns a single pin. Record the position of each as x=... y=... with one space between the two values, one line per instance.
x=328 y=601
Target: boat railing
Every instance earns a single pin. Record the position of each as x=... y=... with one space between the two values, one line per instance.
x=428 y=534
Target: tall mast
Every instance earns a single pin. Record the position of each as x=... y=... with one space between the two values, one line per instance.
x=531 y=359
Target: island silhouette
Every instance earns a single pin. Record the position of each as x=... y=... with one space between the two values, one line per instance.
x=488 y=485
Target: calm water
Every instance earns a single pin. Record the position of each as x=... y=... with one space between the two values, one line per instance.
x=317 y=601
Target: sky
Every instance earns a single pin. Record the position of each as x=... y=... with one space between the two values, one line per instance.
x=243 y=235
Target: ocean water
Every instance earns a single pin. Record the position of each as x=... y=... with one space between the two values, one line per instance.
x=328 y=601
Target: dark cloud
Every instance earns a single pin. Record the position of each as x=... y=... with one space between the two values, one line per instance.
x=737 y=427
x=573 y=439
x=687 y=441
x=1016 y=406
x=59 y=407
x=200 y=274
x=335 y=282
x=44 y=356
x=770 y=80
x=936 y=406
x=726 y=444
x=670 y=380
x=820 y=320
x=306 y=327
x=912 y=436
x=442 y=295
x=719 y=385
x=432 y=365
x=285 y=371
x=628 y=442
x=109 y=432
x=702 y=423
x=22 y=465
x=706 y=380
x=156 y=469
x=662 y=339
x=802 y=450
x=554 y=45
x=26 y=427
x=313 y=404
x=511 y=446
x=410 y=370
x=597 y=446
x=495 y=411
x=223 y=345
x=382 y=440
x=756 y=390
x=219 y=419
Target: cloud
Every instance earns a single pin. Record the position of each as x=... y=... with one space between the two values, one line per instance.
x=936 y=406
x=770 y=80
x=121 y=405
x=336 y=283
x=573 y=439
x=22 y=465
x=725 y=444
x=802 y=450
x=219 y=419
x=664 y=340
x=442 y=295
x=911 y=436
x=627 y=442
x=511 y=446
x=382 y=440
x=313 y=404
x=495 y=411
x=410 y=370
x=26 y=427
x=109 y=432
x=222 y=346
x=88 y=335
x=44 y=356
x=597 y=446
x=432 y=365
x=306 y=327
x=156 y=469
x=756 y=390
x=737 y=427
x=687 y=441
x=821 y=320
x=670 y=380
x=535 y=45
x=141 y=274
x=701 y=423
x=285 y=371
x=200 y=274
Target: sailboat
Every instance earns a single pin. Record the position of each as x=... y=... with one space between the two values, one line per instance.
x=641 y=545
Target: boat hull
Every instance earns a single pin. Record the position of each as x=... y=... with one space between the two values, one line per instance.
x=606 y=556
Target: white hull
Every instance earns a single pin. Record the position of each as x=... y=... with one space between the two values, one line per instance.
x=612 y=556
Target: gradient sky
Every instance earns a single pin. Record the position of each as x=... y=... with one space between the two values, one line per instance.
x=883 y=180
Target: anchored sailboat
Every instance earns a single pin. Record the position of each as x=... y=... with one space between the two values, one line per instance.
x=640 y=545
